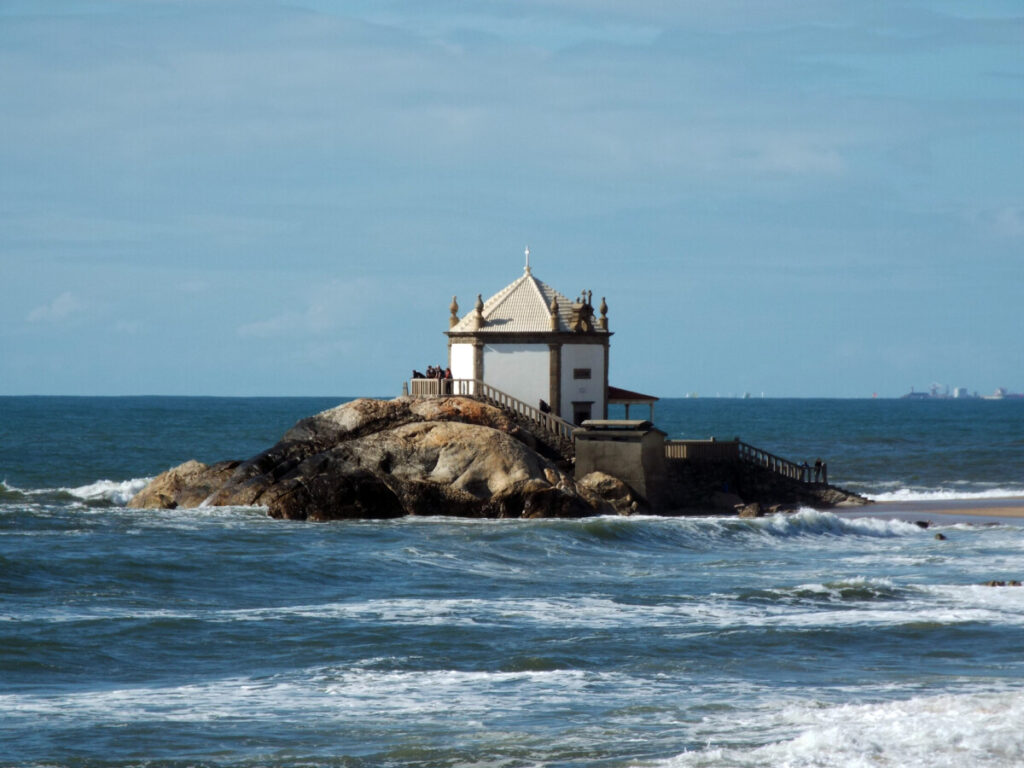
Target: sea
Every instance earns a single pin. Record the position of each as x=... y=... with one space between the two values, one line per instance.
x=221 y=637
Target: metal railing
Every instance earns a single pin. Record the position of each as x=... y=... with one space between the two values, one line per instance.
x=776 y=464
x=481 y=390
x=736 y=450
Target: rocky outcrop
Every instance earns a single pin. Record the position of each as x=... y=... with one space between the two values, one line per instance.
x=454 y=456
x=381 y=459
x=751 y=510
x=187 y=485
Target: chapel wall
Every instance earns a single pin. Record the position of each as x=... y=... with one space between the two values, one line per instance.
x=462 y=361
x=576 y=359
x=520 y=370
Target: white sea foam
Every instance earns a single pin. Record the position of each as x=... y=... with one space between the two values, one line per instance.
x=848 y=602
x=812 y=521
x=117 y=492
x=945 y=731
x=803 y=522
x=947 y=494
x=806 y=520
x=114 y=491
x=327 y=693
x=979 y=728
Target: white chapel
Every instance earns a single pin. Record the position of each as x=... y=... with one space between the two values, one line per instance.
x=537 y=345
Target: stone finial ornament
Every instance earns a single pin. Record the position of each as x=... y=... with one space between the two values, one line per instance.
x=583 y=314
x=454 y=309
x=554 y=313
x=478 y=313
x=603 y=322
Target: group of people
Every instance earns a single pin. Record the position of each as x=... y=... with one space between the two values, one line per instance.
x=820 y=471
x=442 y=375
x=433 y=372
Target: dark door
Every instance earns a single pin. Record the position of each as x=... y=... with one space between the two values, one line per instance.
x=581 y=412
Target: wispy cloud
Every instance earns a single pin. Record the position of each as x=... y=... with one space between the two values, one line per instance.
x=1009 y=221
x=61 y=309
x=332 y=307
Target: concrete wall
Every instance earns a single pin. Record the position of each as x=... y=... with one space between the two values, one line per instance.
x=520 y=370
x=638 y=459
x=583 y=356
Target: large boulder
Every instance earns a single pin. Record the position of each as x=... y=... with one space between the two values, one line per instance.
x=187 y=485
x=611 y=490
x=382 y=459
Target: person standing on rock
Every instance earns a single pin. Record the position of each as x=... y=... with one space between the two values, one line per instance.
x=817 y=470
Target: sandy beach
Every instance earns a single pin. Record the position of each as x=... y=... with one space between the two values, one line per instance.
x=946 y=511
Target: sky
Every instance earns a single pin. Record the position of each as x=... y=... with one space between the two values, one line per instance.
x=790 y=197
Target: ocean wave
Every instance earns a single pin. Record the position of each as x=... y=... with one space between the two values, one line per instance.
x=101 y=492
x=329 y=693
x=113 y=491
x=809 y=521
x=849 y=602
x=656 y=533
x=855 y=589
x=944 y=731
x=804 y=522
x=967 y=493
x=10 y=493
x=644 y=532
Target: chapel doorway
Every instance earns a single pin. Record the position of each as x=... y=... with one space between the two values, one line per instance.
x=581 y=412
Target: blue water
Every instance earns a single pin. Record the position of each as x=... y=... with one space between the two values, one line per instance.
x=222 y=637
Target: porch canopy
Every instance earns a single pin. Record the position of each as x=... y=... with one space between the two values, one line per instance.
x=626 y=397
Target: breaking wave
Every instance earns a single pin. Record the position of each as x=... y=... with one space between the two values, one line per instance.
x=944 y=731
x=804 y=522
x=113 y=491
x=100 y=493
x=949 y=493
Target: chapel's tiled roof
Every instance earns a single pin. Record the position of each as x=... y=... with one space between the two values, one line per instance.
x=524 y=306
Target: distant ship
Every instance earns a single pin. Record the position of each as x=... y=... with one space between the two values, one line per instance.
x=1002 y=394
x=933 y=393
x=959 y=393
